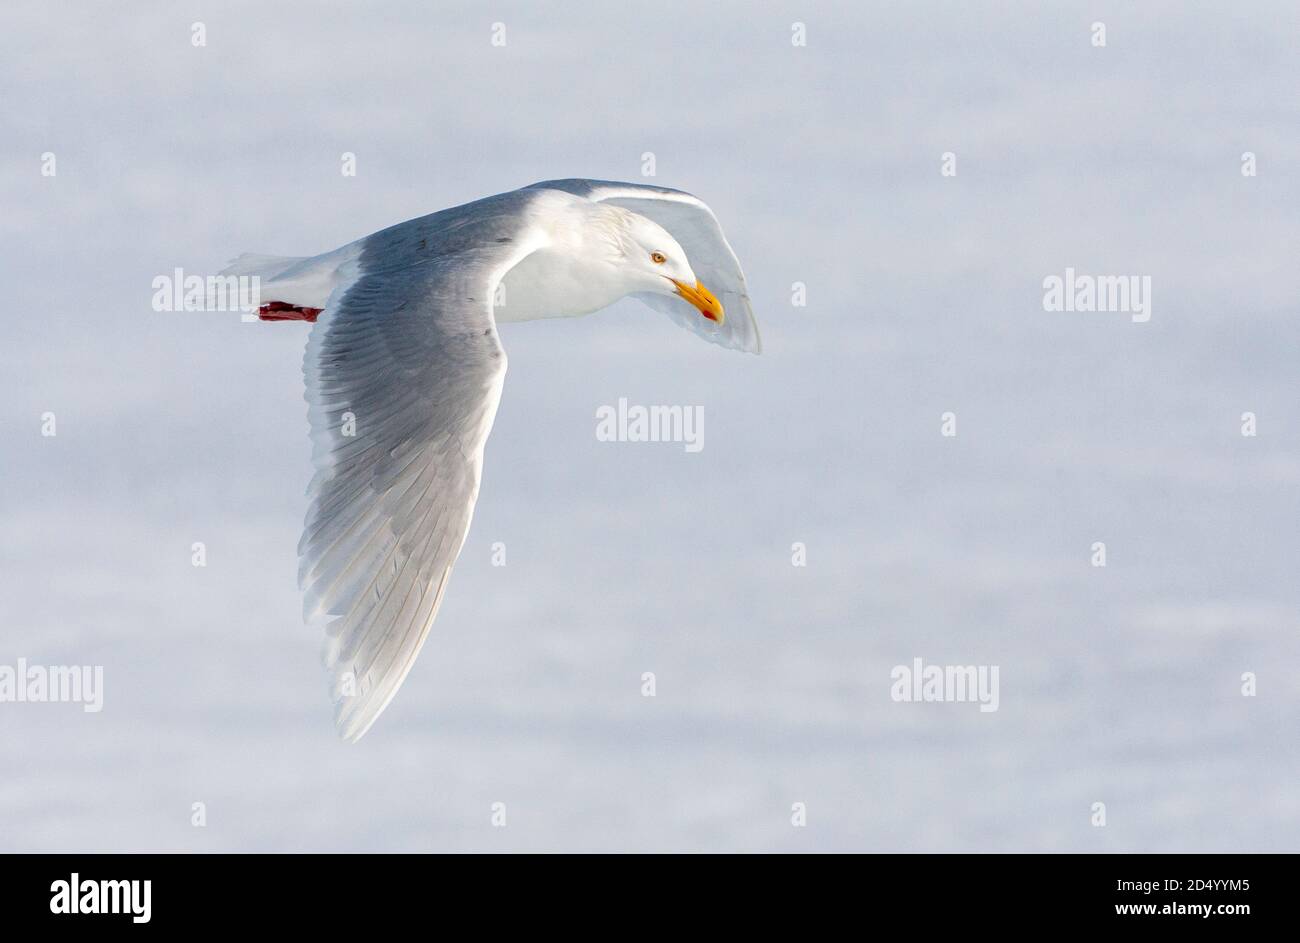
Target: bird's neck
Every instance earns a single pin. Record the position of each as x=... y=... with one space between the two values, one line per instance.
x=574 y=275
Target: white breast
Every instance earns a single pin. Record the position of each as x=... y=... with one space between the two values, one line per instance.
x=556 y=283
x=579 y=270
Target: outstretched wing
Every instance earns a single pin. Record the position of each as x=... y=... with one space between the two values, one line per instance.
x=404 y=372
x=694 y=226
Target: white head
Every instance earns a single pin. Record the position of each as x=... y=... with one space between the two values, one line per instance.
x=648 y=259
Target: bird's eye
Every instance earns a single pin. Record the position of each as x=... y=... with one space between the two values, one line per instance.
x=658 y=258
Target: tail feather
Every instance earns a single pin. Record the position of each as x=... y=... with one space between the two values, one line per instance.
x=265 y=267
x=301 y=282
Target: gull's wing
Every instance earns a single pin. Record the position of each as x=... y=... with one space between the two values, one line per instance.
x=404 y=373
x=692 y=224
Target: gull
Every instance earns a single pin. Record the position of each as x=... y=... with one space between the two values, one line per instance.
x=404 y=370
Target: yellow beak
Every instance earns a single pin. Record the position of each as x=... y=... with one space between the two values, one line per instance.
x=702 y=298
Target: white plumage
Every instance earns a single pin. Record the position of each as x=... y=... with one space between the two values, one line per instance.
x=404 y=372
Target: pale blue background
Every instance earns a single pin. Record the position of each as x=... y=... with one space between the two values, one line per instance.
x=1118 y=685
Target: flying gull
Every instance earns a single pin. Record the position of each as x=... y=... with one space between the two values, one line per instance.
x=404 y=371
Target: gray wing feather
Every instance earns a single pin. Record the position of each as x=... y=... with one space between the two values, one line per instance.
x=404 y=372
x=694 y=226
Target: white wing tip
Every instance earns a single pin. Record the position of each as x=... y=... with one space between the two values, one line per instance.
x=355 y=711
